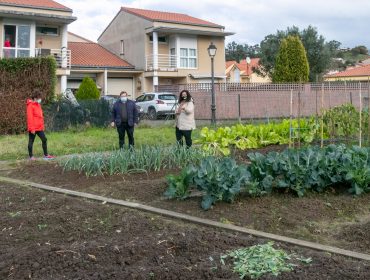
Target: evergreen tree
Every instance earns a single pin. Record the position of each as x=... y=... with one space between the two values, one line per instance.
x=319 y=52
x=87 y=90
x=291 y=63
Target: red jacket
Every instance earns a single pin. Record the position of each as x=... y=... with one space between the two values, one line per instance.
x=35 y=117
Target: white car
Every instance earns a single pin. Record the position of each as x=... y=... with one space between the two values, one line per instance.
x=156 y=104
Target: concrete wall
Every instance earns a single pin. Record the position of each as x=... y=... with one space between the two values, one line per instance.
x=204 y=61
x=130 y=29
x=1 y=37
x=75 y=38
x=267 y=104
x=49 y=41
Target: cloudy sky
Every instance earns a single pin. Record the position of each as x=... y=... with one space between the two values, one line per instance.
x=345 y=21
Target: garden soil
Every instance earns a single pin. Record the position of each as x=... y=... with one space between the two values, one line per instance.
x=334 y=218
x=45 y=235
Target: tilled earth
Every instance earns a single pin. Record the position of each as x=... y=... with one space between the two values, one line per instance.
x=333 y=218
x=44 y=235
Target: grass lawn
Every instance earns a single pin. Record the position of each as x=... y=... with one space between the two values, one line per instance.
x=84 y=140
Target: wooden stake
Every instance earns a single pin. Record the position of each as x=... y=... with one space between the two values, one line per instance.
x=322 y=115
x=291 y=118
x=360 y=134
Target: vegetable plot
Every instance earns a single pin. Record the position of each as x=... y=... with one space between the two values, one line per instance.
x=251 y=136
x=297 y=170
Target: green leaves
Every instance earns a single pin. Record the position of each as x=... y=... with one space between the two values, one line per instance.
x=297 y=170
x=178 y=186
x=254 y=136
x=312 y=168
x=291 y=63
x=259 y=260
x=342 y=121
x=87 y=90
x=220 y=179
x=146 y=158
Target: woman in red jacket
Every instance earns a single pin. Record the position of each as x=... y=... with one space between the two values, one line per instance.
x=35 y=124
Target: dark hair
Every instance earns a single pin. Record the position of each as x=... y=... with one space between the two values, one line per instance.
x=36 y=94
x=123 y=92
x=188 y=96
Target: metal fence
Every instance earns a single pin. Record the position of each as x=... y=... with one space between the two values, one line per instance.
x=238 y=101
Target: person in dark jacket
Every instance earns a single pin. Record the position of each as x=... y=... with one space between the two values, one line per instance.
x=35 y=124
x=125 y=117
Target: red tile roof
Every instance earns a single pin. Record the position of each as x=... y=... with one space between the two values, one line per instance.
x=49 y=4
x=243 y=66
x=169 y=17
x=354 y=72
x=93 y=55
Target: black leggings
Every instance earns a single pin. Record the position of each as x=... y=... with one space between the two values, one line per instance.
x=31 y=139
x=186 y=134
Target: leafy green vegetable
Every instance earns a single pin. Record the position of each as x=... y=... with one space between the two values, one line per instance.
x=259 y=260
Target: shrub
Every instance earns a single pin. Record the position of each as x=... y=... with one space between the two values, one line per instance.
x=291 y=62
x=87 y=90
x=19 y=77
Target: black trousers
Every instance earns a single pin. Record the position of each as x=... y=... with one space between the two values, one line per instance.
x=122 y=129
x=31 y=139
x=186 y=134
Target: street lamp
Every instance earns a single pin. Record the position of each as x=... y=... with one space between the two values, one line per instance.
x=212 y=53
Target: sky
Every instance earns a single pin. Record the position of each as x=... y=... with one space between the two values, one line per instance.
x=345 y=21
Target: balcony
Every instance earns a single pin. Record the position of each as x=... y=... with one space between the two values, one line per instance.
x=62 y=56
x=165 y=63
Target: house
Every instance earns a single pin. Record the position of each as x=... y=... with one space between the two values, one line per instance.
x=30 y=28
x=111 y=73
x=244 y=72
x=361 y=73
x=170 y=48
x=365 y=61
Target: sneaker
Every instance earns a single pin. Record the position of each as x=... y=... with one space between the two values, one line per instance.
x=49 y=157
x=32 y=158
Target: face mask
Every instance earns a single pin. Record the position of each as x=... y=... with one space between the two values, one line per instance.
x=184 y=97
x=123 y=99
x=38 y=100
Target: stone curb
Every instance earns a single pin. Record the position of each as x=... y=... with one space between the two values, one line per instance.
x=188 y=218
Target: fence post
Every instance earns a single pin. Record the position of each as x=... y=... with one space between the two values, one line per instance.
x=299 y=116
x=291 y=118
x=322 y=115
x=368 y=112
x=360 y=135
x=239 y=108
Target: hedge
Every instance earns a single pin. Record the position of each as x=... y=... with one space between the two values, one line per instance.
x=18 y=78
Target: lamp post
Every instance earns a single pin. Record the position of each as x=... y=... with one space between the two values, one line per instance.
x=212 y=53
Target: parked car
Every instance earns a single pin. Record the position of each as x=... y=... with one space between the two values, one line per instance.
x=155 y=104
x=111 y=99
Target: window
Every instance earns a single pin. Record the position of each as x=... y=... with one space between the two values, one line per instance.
x=236 y=76
x=47 y=30
x=122 y=48
x=188 y=58
x=167 y=97
x=149 y=97
x=161 y=39
x=173 y=57
x=17 y=40
x=140 y=98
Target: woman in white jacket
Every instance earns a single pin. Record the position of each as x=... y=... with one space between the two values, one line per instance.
x=185 y=121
